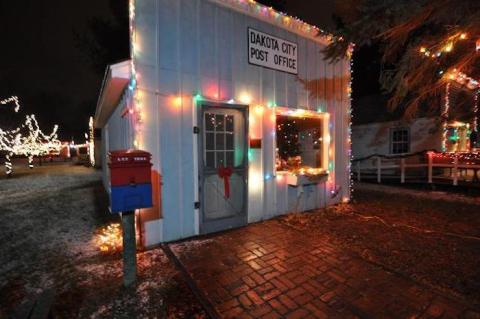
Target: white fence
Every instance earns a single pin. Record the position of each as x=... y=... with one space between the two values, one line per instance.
x=383 y=163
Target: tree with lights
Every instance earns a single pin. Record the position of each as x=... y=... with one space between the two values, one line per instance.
x=8 y=140
x=35 y=143
x=425 y=44
x=11 y=100
x=27 y=139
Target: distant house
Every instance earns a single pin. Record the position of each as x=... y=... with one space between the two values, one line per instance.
x=445 y=126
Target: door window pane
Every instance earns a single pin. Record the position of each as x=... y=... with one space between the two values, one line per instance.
x=209 y=121
x=210 y=141
x=210 y=159
x=220 y=159
x=229 y=158
x=220 y=141
x=220 y=122
x=229 y=123
x=229 y=141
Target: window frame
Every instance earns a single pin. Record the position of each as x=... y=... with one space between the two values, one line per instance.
x=324 y=117
x=216 y=132
x=401 y=142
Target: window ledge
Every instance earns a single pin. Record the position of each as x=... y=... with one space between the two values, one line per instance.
x=296 y=180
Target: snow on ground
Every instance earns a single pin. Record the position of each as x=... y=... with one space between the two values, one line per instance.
x=48 y=214
x=49 y=217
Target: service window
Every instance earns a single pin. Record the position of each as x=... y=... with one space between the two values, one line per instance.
x=399 y=141
x=300 y=143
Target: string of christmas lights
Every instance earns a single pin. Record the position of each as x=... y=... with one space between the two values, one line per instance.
x=453 y=75
x=350 y=51
x=445 y=112
x=12 y=99
x=463 y=79
x=468 y=158
x=135 y=109
x=109 y=238
x=27 y=140
x=276 y=18
x=280 y=18
x=446 y=46
x=261 y=11
x=91 y=142
x=9 y=139
x=475 y=110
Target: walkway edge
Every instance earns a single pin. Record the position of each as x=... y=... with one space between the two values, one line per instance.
x=206 y=304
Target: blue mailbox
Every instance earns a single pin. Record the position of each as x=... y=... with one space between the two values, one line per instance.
x=130 y=180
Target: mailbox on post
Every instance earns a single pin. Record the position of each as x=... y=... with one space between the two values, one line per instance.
x=130 y=180
x=131 y=188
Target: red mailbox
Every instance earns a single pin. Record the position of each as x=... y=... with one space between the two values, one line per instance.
x=129 y=167
x=130 y=180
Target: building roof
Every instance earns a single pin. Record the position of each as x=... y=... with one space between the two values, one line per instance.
x=373 y=109
x=116 y=79
x=279 y=19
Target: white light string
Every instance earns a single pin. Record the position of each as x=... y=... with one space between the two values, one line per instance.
x=12 y=99
x=26 y=140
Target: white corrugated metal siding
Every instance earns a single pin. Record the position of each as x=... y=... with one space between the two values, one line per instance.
x=189 y=47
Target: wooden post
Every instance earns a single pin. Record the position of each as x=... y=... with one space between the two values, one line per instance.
x=358 y=172
x=430 y=168
x=129 y=249
x=455 y=171
x=402 y=170
x=379 y=169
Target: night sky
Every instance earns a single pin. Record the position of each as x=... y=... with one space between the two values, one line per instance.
x=42 y=63
x=45 y=61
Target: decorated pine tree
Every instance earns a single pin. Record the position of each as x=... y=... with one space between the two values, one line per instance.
x=424 y=44
x=287 y=141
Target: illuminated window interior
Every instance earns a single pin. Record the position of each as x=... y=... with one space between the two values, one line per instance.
x=300 y=143
x=458 y=134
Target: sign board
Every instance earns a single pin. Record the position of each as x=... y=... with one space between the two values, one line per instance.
x=272 y=52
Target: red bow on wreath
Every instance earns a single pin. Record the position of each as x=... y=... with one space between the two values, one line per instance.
x=225 y=173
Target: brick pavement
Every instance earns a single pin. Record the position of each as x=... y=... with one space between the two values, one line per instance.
x=270 y=270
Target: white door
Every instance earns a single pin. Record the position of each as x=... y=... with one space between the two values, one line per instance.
x=223 y=164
